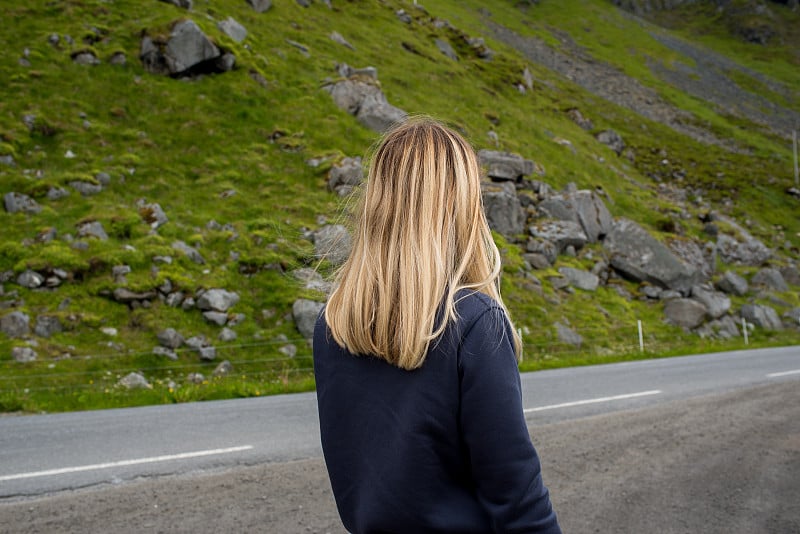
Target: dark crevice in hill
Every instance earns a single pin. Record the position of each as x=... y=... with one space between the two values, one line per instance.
x=608 y=82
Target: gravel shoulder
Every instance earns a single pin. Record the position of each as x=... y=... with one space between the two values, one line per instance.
x=721 y=463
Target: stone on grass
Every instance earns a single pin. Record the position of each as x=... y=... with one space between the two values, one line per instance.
x=568 y=335
x=289 y=350
x=195 y=378
x=232 y=29
x=750 y=252
x=792 y=318
x=219 y=300
x=170 y=338
x=223 y=369
x=227 y=335
x=86 y=189
x=134 y=381
x=583 y=207
x=153 y=215
x=332 y=242
x=217 y=318
x=164 y=351
x=503 y=211
x=15 y=324
x=345 y=175
x=260 y=5
x=580 y=279
x=733 y=284
x=47 y=325
x=685 y=312
x=505 y=166
x=761 y=316
x=639 y=256
x=791 y=275
x=561 y=233
x=92 y=229
x=770 y=279
x=30 y=279
x=17 y=202
x=189 y=251
x=446 y=49
x=305 y=313
x=611 y=139
x=717 y=304
x=23 y=354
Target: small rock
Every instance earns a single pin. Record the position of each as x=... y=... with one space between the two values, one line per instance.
x=195 y=378
x=288 y=350
x=190 y=252
x=260 y=5
x=109 y=331
x=332 y=242
x=164 y=351
x=733 y=284
x=134 y=381
x=762 y=316
x=580 y=279
x=219 y=300
x=30 y=279
x=15 y=324
x=336 y=37
x=227 y=335
x=305 y=313
x=685 y=312
x=446 y=49
x=569 y=336
x=47 y=325
x=170 y=338
x=23 y=354
x=153 y=215
x=17 y=202
x=86 y=189
x=174 y=300
x=770 y=279
x=223 y=369
x=217 y=318
x=611 y=139
x=92 y=229
x=717 y=304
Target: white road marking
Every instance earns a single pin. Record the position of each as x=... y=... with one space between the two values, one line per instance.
x=123 y=463
x=784 y=373
x=593 y=401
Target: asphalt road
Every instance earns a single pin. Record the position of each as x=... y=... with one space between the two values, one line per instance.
x=44 y=454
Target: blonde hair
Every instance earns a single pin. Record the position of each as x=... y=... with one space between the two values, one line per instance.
x=420 y=236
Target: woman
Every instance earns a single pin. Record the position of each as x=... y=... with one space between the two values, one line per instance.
x=415 y=357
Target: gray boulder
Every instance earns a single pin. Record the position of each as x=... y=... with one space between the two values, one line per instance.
x=223 y=369
x=639 y=256
x=186 y=52
x=717 y=304
x=47 y=325
x=85 y=58
x=92 y=229
x=305 y=313
x=723 y=328
x=188 y=47
x=134 y=381
x=15 y=324
x=580 y=279
x=86 y=189
x=568 y=335
x=337 y=37
x=363 y=99
x=751 y=252
x=165 y=352
x=332 y=242
x=346 y=175
x=23 y=354
x=792 y=318
x=260 y=5
x=126 y=296
x=189 y=251
x=232 y=29
x=56 y=193
x=446 y=49
x=170 y=338
x=690 y=253
x=17 y=202
x=770 y=279
x=217 y=318
x=226 y=335
x=685 y=312
x=761 y=316
x=733 y=284
x=30 y=279
x=791 y=275
x=541 y=247
x=203 y=348
x=583 y=207
x=505 y=166
x=562 y=234
x=219 y=300
x=611 y=139
x=503 y=210
x=312 y=280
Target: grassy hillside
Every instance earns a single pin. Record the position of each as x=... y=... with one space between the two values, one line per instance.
x=233 y=148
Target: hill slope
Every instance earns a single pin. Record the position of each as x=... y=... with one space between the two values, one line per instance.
x=233 y=162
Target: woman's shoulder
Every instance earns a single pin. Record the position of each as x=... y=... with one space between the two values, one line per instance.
x=471 y=305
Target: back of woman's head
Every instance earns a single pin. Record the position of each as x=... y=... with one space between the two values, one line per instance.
x=420 y=236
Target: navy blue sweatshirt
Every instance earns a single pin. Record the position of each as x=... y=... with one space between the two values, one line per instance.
x=443 y=448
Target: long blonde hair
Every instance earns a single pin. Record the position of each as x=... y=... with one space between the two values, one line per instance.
x=420 y=236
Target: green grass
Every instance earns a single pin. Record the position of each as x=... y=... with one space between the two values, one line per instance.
x=188 y=144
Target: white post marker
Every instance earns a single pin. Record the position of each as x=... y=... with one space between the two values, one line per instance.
x=641 y=339
x=744 y=329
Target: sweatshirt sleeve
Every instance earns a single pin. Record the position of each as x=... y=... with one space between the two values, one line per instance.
x=505 y=467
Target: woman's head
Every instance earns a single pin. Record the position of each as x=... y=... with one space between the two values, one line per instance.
x=420 y=236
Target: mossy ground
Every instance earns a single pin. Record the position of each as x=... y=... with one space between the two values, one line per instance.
x=233 y=148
